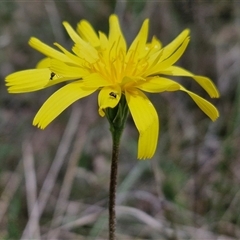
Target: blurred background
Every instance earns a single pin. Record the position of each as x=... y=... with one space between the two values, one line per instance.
x=54 y=183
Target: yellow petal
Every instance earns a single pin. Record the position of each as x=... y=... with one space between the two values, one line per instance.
x=158 y=84
x=71 y=32
x=28 y=80
x=46 y=50
x=81 y=48
x=104 y=43
x=175 y=44
x=95 y=80
x=104 y=46
x=74 y=59
x=44 y=63
x=59 y=101
x=205 y=106
x=86 y=52
x=87 y=33
x=67 y=70
x=138 y=47
x=108 y=98
x=116 y=38
x=204 y=82
x=146 y=120
x=162 y=65
x=154 y=45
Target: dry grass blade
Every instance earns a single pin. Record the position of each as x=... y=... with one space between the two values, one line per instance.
x=140 y=215
x=62 y=151
x=88 y=219
x=55 y=20
x=31 y=189
x=84 y=220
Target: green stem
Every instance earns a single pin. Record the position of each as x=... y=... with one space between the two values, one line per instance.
x=117 y=117
x=116 y=135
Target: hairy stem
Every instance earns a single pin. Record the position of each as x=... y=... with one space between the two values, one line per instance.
x=113 y=184
x=117 y=117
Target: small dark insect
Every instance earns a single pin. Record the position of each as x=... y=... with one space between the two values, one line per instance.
x=52 y=75
x=112 y=94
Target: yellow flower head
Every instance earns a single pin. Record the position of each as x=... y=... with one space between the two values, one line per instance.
x=105 y=63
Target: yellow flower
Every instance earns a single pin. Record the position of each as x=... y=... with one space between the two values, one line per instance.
x=104 y=63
